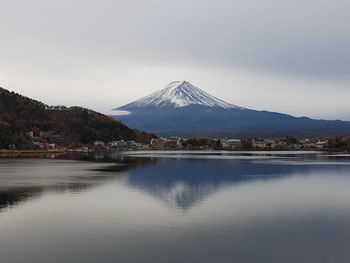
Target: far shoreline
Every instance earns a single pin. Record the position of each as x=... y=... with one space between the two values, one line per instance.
x=28 y=153
x=40 y=153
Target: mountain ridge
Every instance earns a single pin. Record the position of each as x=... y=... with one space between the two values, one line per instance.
x=197 y=118
x=20 y=115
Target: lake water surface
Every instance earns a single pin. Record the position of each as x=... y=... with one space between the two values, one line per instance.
x=176 y=207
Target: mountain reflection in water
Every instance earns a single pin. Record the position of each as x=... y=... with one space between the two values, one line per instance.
x=182 y=183
x=181 y=207
x=179 y=183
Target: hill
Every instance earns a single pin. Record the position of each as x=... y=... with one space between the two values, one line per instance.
x=21 y=115
x=181 y=109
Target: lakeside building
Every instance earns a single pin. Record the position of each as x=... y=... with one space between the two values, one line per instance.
x=173 y=143
x=158 y=144
x=118 y=145
x=46 y=134
x=230 y=144
x=321 y=144
x=99 y=143
x=132 y=145
x=166 y=143
x=263 y=144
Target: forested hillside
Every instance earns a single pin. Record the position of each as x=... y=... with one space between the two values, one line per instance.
x=20 y=115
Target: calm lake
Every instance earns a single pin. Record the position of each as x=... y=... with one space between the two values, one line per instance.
x=176 y=207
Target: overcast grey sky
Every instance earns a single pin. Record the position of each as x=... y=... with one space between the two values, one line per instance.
x=290 y=56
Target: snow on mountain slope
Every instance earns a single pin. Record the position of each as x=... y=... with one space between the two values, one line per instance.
x=178 y=94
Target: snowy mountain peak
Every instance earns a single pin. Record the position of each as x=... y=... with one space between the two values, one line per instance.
x=178 y=94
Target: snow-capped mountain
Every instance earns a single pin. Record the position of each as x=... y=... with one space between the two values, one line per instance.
x=181 y=109
x=178 y=94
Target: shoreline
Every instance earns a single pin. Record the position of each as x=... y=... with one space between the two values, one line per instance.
x=46 y=153
x=4 y=153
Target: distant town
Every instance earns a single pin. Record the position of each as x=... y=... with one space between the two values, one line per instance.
x=51 y=141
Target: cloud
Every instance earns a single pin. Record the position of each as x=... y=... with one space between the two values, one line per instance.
x=78 y=45
x=308 y=38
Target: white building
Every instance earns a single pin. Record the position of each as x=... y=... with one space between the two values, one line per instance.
x=230 y=144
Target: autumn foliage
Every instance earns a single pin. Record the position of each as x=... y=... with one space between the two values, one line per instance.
x=20 y=115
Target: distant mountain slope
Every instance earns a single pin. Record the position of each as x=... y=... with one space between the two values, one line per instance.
x=181 y=109
x=19 y=114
